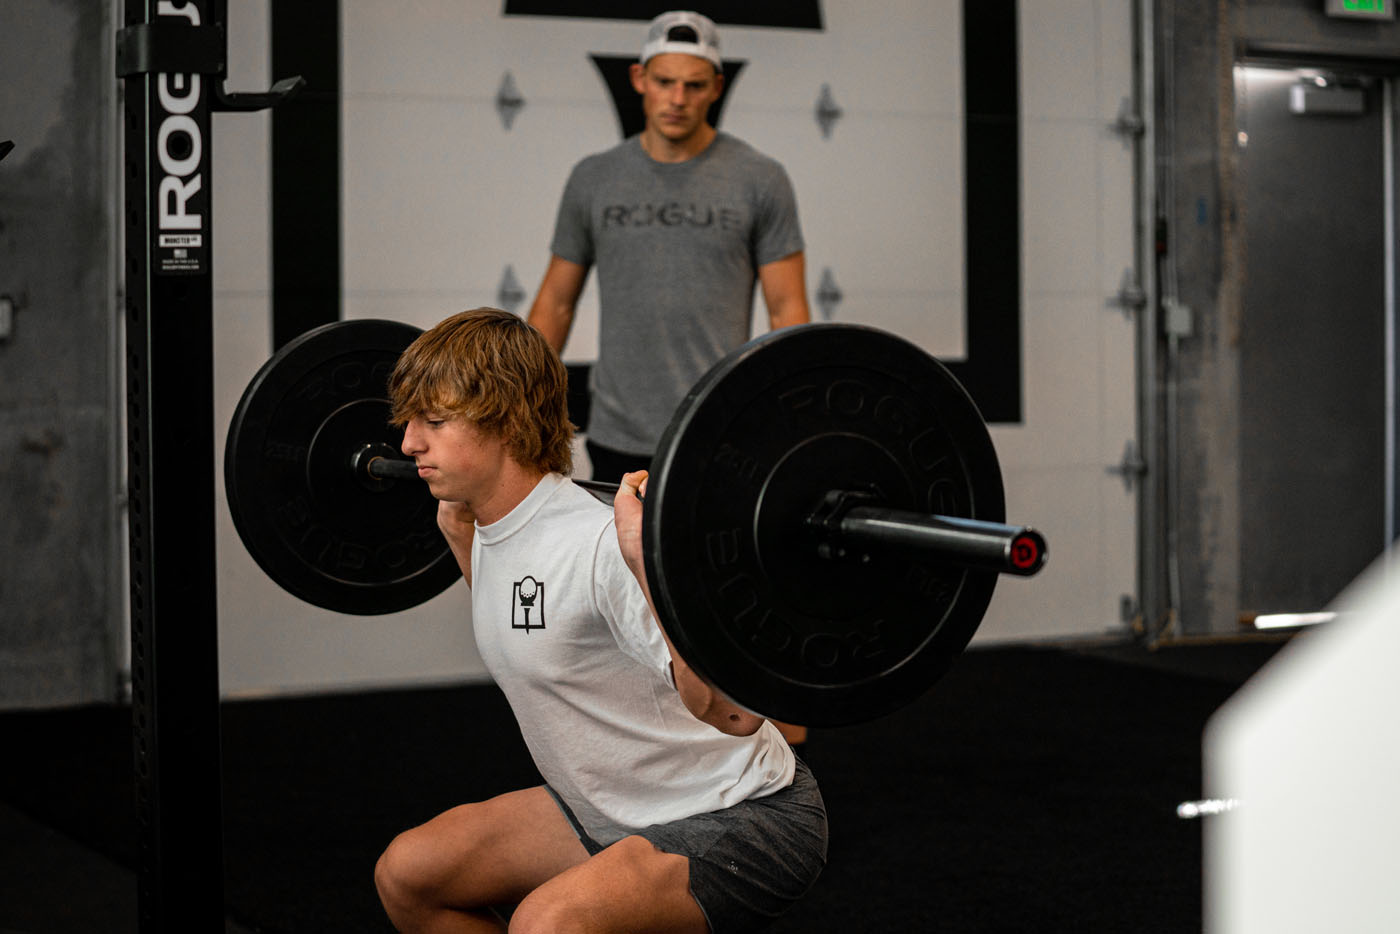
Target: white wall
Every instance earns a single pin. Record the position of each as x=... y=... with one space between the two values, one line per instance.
x=439 y=198
x=1077 y=240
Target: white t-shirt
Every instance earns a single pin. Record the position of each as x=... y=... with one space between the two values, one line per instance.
x=565 y=631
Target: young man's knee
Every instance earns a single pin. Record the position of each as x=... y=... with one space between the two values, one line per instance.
x=409 y=874
x=400 y=886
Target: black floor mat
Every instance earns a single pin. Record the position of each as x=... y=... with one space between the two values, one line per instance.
x=1030 y=790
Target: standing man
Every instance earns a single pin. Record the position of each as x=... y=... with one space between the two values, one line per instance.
x=680 y=220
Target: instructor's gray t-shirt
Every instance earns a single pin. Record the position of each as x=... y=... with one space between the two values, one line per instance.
x=677 y=247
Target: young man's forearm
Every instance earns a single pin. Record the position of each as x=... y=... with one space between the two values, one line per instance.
x=704 y=701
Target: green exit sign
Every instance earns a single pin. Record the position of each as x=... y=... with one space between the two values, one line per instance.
x=1362 y=9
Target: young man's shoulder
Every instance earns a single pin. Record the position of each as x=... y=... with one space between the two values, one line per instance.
x=573 y=504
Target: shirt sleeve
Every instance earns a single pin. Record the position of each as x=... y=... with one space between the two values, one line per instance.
x=573 y=235
x=623 y=605
x=777 y=232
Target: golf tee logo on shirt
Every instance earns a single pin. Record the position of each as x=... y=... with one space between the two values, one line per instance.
x=527 y=604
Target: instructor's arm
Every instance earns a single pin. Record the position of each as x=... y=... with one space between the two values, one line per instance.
x=552 y=314
x=784 y=286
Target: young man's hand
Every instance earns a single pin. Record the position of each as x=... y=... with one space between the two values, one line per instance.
x=627 y=516
x=458 y=525
x=456 y=520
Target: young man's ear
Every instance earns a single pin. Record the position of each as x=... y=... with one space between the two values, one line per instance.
x=637 y=72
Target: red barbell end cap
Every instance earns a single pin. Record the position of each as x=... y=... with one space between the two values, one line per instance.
x=1028 y=552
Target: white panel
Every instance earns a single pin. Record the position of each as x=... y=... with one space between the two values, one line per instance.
x=460 y=49
x=881 y=197
x=1117 y=553
x=1307 y=750
x=1115 y=54
x=249 y=59
x=278 y=644
x=420 y=309
x=1060 y=206
x=892 y=218
x=1078 y=350
x=1071 y=595
x=452 y=214
x=424 y=307
x=1115 y=186
x=1063 y=398
x=893 y=235
x=1117 y=384
x=1059 y=54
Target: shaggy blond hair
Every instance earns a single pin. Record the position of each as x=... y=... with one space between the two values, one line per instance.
x=489 y=366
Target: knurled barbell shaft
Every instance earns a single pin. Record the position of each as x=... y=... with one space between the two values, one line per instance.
x=993 y=546
x=396 y=468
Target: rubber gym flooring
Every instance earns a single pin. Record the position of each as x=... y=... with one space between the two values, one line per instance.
x=1032 y=789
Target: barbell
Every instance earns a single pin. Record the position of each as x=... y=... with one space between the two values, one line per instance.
x=823 y=529
x=847 y=520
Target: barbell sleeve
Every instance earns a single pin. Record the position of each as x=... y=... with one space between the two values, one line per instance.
x=995 y=546
x=1008 y=549
x=391 y=468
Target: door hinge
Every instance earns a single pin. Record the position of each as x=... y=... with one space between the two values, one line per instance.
x=1130 y=296
x=1130 y=467
x=1129 y=122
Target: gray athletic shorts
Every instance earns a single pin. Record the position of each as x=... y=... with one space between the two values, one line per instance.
x=749 y=862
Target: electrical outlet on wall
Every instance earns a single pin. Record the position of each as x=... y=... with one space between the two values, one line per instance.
x=1177 y=320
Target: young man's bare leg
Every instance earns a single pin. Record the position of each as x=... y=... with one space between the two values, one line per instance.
x=630 y=886
x=444 y=875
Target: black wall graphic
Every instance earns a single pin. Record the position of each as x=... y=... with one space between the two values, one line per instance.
x=306 y=158
x=306 y=169
x=786 y=14
x=991 y=371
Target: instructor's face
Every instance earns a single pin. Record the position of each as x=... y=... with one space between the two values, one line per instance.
x=677 y=91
